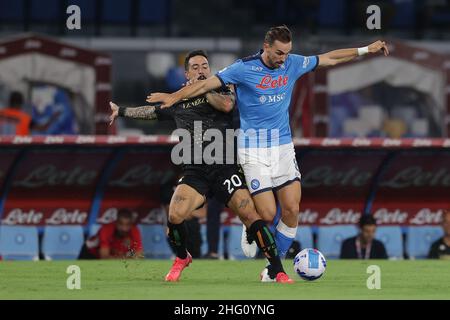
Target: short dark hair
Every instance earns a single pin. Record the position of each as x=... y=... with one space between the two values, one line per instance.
x=192 y=54
x=124 y=214
x=280 y=33
x=367 y=220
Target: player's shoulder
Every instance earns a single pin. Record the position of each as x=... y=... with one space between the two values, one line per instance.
x=377 y=243
x=250 y=59
x=349 y=242
x=135 y=230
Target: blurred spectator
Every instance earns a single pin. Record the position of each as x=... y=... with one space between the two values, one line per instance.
x=364 y=245
x=194 y=238
x=440 y=249
x=119 y=239
x=13 y=120
x=52 y=111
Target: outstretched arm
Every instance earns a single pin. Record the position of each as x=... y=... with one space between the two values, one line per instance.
x=196 y=89
x=144 y=112
x=222 y=101
x=343 y=55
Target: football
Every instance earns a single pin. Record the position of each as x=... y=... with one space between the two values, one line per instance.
x=310 y=264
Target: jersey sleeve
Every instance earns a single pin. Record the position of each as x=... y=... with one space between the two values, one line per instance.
x=164 y=114
x=304 y=64
x=233 y=74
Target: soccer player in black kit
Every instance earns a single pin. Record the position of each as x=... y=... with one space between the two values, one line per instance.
x=200 y=179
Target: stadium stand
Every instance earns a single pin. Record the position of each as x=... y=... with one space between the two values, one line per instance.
x=234 y=243
x=305 y=237
x=392 y=238
x=62 y=242
x=329 y=239
x=154 y=240
x=19 y=243
x=419 y=240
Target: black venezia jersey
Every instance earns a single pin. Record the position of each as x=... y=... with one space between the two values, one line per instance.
x=197 y=116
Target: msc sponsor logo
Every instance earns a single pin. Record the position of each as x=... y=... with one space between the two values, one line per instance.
x=272 y=98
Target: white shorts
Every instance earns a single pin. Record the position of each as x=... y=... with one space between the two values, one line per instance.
x=269 y=168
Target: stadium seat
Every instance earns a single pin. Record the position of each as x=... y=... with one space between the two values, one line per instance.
x=158 y=63
x=392 y=238
x=419 y=128
x=152 y=11
x=332 y=13
x=62 y=242
x=154 y=241
x=405 y=113
x=355 y=128
x=220 y=60
x=373 y=115
x=405 y=14
x=12 y=11
x=48 y=11
x=419 y=240
x=330 y=238
x=19 y=243
x=305 y=237
x=116 y=11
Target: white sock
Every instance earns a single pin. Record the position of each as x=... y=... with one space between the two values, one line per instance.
x=285 y=230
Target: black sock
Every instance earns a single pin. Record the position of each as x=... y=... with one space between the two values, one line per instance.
x=260 y=233
x=177 y=236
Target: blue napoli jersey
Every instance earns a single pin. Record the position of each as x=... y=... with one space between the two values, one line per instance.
x=264 y=95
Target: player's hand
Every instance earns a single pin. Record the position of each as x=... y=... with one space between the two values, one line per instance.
x=379 y=46
x=114 y=112
x=165 y=99
x=192 y=81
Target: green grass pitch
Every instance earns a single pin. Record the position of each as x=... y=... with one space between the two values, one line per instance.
x=206 y=280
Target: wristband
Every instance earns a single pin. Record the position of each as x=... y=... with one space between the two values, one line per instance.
x=121 y=111
x=363 y=50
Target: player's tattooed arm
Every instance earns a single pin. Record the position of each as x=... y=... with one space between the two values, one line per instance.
x=144 y=112
x=223 y=101
x=343 y=55
x=194 y=90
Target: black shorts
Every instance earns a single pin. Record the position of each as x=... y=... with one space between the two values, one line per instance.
x=221 y=181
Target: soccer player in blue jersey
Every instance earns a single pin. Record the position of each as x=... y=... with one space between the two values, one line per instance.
x=264 y=83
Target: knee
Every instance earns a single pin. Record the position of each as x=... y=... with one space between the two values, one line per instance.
x=267 y=213
x=244 y=207
x=177 y=216
x=291 y=210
